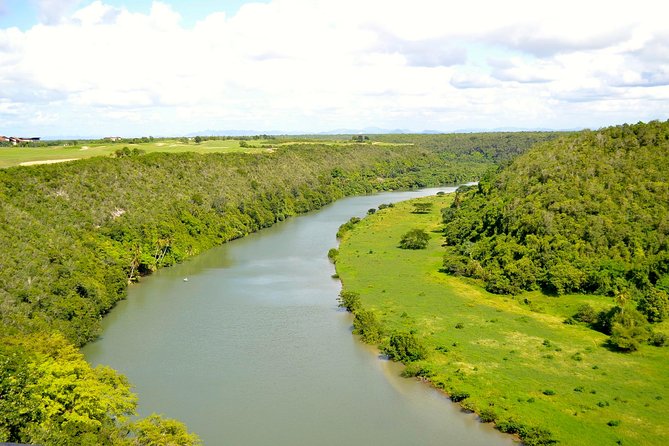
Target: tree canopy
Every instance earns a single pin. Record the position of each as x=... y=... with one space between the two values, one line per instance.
x=585 y=213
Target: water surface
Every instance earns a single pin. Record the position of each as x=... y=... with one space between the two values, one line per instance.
x=252 y=349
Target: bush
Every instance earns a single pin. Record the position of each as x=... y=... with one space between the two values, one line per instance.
x=347 y=226
x=658 y=339
x=488 y=416
x=367 y=326
x=332 y=254
x=456 y=397
x=349 y=300
x=586 y=314
x=414 y=239
x=654 y=305
x=628 y=329
x=416 y=370
x=404 y=347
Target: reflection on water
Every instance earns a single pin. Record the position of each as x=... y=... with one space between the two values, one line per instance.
x=252 y=349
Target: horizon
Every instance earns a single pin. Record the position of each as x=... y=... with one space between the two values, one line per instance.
x=174 y=67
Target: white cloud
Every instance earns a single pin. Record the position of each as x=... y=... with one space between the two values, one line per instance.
x=52 y=12
x=312 y=65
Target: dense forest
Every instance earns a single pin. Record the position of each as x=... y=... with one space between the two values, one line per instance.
x=585 y=213
x=75 y=234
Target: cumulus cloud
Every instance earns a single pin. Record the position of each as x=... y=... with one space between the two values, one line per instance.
x=312 y=65
x=52 y=12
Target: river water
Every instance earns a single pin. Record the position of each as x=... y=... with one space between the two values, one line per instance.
x=252 y=349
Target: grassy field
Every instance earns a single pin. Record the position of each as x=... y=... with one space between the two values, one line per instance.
x=13 y=156
x=513 y=356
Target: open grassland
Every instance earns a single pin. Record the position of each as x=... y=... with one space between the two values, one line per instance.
x=510 y=359
x=18 y=155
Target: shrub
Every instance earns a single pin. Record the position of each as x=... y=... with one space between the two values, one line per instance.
x=628 y=329
x=487 y=416
x=415 y=239
x=347 y=226
x=422 y=208
x=549 y=392
x=416 y=370
x=404 y=347
x=458 y=396
x=349 y=300
x=654 y=305
x=367 y=326
x=586 y=314
x=332 y=254
x=658 y=339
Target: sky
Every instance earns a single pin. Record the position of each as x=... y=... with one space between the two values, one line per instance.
x=95 y=68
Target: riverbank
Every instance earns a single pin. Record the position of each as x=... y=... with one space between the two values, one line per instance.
x=255 y=336
x=511 y=360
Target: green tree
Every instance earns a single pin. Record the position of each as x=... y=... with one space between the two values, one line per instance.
x=367 y=326
x=57 y=397
x=405 y=347
x=415 y=239
x=422 y=208
x=157 y=431
x=629 y=329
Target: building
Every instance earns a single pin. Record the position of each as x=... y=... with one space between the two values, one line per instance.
x=14 y=140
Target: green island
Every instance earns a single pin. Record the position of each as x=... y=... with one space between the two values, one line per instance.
x=75 y=234
x=538 y=298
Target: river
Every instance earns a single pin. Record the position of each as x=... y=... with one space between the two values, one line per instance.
x=252 y=349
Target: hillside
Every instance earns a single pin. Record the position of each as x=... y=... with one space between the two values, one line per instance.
x=73 y=236
x=586 y=213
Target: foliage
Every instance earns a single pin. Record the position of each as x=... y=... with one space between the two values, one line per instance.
x=405 y=347
x=584 y=213
x=421 y=207
x=74 y=234
x=512 y=349
x=345 y=227
x=367 y=325
x=628 y=329
x=50 y=395
x=332 y=254
x=157 y=431
x=349 y=300
x=415 y=239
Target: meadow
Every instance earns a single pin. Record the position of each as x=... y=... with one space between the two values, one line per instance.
x=511 y=359
x=26 y=155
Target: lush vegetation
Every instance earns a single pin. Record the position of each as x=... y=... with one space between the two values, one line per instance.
x=74 y=234
x=588 y=213
x=50 y=395
x=511 y=359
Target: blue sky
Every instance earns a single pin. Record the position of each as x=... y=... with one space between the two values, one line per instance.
x=25 y=13
x=165 y=68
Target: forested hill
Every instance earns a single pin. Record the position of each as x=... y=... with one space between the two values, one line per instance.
x=587 y=212
x=73 y=235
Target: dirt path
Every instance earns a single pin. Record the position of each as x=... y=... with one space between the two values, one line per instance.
x=32 y=163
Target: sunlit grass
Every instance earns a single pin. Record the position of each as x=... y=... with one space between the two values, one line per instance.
x=514 y=356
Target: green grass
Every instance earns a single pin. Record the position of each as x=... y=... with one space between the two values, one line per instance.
x=514 y=356
x=12 y=156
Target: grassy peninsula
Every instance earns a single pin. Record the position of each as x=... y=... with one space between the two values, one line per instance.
x=555 y=359
x=75 y=234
